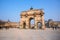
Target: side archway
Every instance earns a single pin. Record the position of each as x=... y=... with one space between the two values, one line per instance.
x=24 y=25
x=39 y=24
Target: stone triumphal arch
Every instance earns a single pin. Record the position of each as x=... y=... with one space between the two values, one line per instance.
x=27 y=16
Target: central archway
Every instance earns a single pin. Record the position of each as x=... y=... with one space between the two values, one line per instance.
x=31 y=23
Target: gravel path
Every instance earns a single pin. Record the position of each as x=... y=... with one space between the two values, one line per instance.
x=29 y=34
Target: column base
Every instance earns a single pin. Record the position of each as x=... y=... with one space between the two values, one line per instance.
x=43 y=27
x=27 y=27
x=21 y=27
x=35 y=27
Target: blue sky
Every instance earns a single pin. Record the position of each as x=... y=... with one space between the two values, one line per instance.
x=11 y=9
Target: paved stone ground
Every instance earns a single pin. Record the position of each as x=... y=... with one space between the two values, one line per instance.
x=29 y=34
